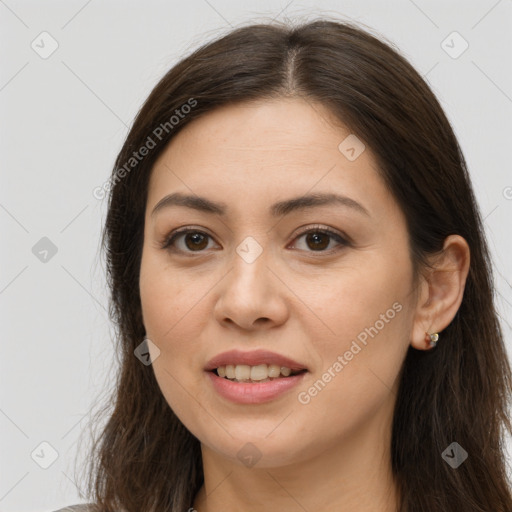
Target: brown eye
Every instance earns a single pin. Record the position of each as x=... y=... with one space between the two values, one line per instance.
x=318 y=240
x=193 y=241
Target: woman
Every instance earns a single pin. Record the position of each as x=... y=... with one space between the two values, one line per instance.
x=302 y=290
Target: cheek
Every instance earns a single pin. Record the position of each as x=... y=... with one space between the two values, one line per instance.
x=368 y=315
x=175 y=310
x=357 y=301
x=360 y=368
x=173 y=313
x=170 y=299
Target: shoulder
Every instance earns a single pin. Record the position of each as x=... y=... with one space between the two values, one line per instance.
x=85 y=507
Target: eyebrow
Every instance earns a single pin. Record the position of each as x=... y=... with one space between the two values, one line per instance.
x=278 y=209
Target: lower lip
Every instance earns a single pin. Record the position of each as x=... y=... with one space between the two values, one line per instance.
x=253 y=393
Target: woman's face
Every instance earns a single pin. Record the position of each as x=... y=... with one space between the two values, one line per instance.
x=340 y=305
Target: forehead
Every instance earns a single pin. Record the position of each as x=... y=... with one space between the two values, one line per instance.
x=267 y=149
x=280 y=128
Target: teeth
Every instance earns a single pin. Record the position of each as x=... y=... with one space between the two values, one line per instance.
x=230 y=371
x=261 y=372
x=274 y=370
x=285 y=371
x=242 y=372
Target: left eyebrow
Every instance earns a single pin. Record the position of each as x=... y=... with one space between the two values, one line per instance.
x=278 y=209
x=315 y=200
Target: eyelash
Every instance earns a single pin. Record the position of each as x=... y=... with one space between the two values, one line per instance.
x=171 y=238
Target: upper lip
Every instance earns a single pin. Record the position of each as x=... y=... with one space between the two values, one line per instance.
x=252 y=358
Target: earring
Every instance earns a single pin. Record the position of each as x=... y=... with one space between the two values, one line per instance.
x=432 y=339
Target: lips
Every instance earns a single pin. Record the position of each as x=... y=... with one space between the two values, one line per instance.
x=253 y=358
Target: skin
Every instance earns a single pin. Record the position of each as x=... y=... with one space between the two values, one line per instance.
x=333 y=453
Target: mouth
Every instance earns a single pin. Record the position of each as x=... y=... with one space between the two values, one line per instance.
x=253 y=392
x=254 y=366
x=255 y=374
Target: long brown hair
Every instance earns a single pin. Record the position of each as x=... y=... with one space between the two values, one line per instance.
x=144 y=459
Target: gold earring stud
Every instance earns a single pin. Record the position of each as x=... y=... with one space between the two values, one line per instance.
x=432 y=339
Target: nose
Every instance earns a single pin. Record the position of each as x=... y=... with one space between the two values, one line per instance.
x=251 y=296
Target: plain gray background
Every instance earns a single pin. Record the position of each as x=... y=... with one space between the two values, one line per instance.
x=63 y=120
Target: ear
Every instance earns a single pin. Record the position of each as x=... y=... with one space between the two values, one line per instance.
x=441 y=291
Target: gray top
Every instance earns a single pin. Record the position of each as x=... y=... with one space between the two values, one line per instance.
x=85 y=507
